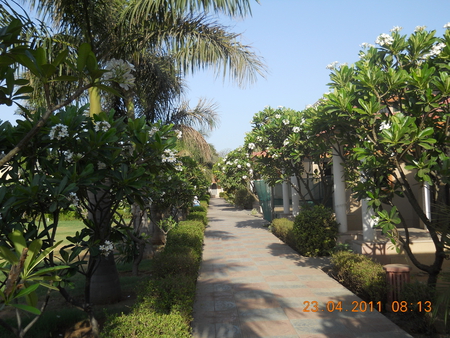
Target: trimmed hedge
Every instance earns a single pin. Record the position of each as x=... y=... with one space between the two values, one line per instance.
x=361 y=275
x=283 y=229
x=164 y=305
x=197 y=216
x=315 y=231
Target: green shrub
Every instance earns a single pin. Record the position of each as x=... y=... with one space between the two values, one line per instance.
x=283 y=229
x=243 y=199
x=361 y=275
x=315 y=231
x=413 y=293
x=177 y=261
x=165 y=304
x=200 y=208
x=147 y=324
x=197 y=216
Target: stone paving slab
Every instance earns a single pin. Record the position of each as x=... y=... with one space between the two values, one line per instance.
x=252 y=285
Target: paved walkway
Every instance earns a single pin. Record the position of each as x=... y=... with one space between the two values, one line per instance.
x=253 y=285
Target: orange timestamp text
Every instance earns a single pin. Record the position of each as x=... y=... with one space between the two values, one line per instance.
x=363 y=306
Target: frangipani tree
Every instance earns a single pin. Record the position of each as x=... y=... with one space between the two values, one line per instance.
x=235 y=172
x=281 y=146
x=390 y=111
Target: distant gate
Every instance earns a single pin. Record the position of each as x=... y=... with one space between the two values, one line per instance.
x=265 y=198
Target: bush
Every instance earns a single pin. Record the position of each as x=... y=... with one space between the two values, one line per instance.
x=283 y=229
x=243 y=199
x=197 y=216
x=412 y=294
x=361 y=275
x=315 y=231
x=164 y=306
x=200 y=208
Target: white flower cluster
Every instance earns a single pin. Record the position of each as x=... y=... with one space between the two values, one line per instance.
x=384 y=125
x=58 y=132
x=120 y=72
x=447 y=25
x=179 y=166
x=259 y=138
x=179 y=134
x=420 y=28
x=296 y=129
x=396 y=29
x=68 y=155
x=153 y=131
x=101 y=165
x=102 y=125
x=384 y=39
x=251 y=146
x=366 y=45
x=435 y=50
x=244 y=177
x=286 y=142
x=73 y=199
x=106 y=248
x=332 y=65
x=169 y=156
x=285 y=122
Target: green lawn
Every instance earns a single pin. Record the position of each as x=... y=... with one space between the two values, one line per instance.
x=68 y=228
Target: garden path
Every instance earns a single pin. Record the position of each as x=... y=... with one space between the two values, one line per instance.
x=253 y=285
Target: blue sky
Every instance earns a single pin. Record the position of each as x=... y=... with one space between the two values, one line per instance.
x=298 y=39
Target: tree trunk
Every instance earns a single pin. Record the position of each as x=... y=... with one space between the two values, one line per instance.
x=158 y=236
x=105 y=283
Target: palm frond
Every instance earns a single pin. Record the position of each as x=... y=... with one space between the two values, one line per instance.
x=163 y=10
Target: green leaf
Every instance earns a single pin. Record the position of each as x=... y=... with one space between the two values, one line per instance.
x=27 y=308
x=26 y=291
x=48 y=70
x=8 y=255
x=83 y=53
x=33 y=250
x=18 y=240
x=60 y=58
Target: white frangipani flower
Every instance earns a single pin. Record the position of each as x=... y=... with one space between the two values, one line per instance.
x=73 y=198
x=168 y=156
x=332 y=65
x=396 y=29
x=366 y=45
x=384 y=39
x=384 y=125
x=285 y=121
x=106 y=248
x=179 y=134
x=58 y=132
x=251 y=146
x=120 y=71
x=102 y=125
x=447 y=25
x=296 y=129
x=420 y=28
x=153 y=131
